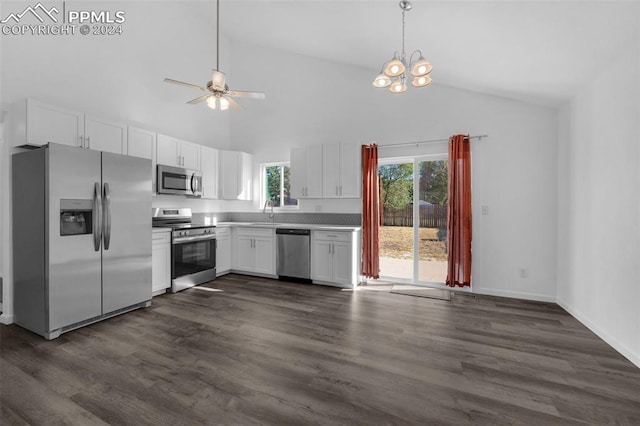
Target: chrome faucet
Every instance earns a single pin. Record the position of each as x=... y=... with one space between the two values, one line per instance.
x=264 y=210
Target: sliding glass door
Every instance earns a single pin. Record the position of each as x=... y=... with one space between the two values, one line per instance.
x=413 y=236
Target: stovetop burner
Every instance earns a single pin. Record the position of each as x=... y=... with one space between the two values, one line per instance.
x=175 y=218
x=181 y=225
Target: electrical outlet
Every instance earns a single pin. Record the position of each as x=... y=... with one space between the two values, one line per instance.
x=524 y=272
x=485 y=210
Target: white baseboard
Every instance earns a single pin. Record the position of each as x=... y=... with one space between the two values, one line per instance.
x=513 y=294
x=6 y=319
x=611 y=341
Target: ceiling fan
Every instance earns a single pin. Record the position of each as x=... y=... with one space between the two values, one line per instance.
x=219 y=95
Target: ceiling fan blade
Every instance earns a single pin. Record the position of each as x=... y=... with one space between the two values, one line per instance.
x=199 y=99
x=218 y=80
x=250 y=95
x=182 y=83
x=234 y=105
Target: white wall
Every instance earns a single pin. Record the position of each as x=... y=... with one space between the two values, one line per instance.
x=309 y=101
x=599 y=204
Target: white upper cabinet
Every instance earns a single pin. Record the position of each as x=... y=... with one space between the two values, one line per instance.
x=104 y=135
x=142 y=143
x=341 y=170
x=190 y=155
x=168 y=151
x=178 y=153
x=209 y=168
x=235 y=175
x=36 y=123
x=306 y=172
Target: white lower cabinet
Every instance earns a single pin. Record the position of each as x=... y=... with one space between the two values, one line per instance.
x=254 y=251
x=223 y=251
x=161 y=262
x=334 y=258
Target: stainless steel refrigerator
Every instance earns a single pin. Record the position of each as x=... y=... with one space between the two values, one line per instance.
x=82 y=237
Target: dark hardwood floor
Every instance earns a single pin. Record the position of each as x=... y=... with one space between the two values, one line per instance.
x=270 y=352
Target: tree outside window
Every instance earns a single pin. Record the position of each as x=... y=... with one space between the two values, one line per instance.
x=277 y=185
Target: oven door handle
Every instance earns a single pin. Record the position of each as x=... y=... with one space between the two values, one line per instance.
x=183 y=240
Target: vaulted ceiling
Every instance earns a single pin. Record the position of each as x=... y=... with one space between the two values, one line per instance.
x=536 y=51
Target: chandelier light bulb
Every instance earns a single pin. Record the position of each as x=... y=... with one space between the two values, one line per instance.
x=224 y=104
x=381 y=80
x=421 y=67
x=394 y=67
x=421 y=81
x=398 y=86
x=211 y=102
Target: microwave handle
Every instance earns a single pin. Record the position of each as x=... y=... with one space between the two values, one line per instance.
x=193 y=177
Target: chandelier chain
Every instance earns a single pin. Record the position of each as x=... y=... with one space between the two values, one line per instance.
x=218 y=35
x=403 y=34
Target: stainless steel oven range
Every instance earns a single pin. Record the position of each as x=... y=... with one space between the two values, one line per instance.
x=193 y=247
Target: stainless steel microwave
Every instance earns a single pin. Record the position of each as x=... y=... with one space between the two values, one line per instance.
x=179 y=181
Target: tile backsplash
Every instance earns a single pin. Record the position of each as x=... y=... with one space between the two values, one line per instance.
x=346 y=219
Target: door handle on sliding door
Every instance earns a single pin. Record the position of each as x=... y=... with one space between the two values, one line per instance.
x=97 y=217
x=106 y=211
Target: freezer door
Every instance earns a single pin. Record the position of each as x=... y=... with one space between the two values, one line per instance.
x=126 y=244
x=74 y=285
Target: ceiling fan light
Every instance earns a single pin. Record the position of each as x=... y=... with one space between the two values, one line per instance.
x=224 y=104
x=211 y=102
x=421 y=67
x=421 y=81
x=398 y=86
x=394 y=67
x=381 y=80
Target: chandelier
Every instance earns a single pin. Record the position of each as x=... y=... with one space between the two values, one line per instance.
x=394 y=73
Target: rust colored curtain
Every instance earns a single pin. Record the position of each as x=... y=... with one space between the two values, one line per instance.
x=370 y=212
x=459 y=212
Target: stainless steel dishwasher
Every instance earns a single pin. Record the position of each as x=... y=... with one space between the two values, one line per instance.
x=294 y=253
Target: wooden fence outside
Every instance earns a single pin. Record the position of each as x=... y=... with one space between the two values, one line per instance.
x=433 y=216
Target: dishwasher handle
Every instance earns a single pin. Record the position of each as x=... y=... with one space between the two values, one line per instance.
x=290 y=231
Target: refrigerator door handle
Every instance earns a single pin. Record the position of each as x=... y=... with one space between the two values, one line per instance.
x=107 y=216
x=97 y=216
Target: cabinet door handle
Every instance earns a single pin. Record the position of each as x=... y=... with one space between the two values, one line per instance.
x=336 y=190
x=88 y=142
x=341 y=190
x=81 y=141
x=329 y=248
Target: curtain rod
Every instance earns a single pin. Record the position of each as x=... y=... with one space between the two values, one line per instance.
x=479 y=137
